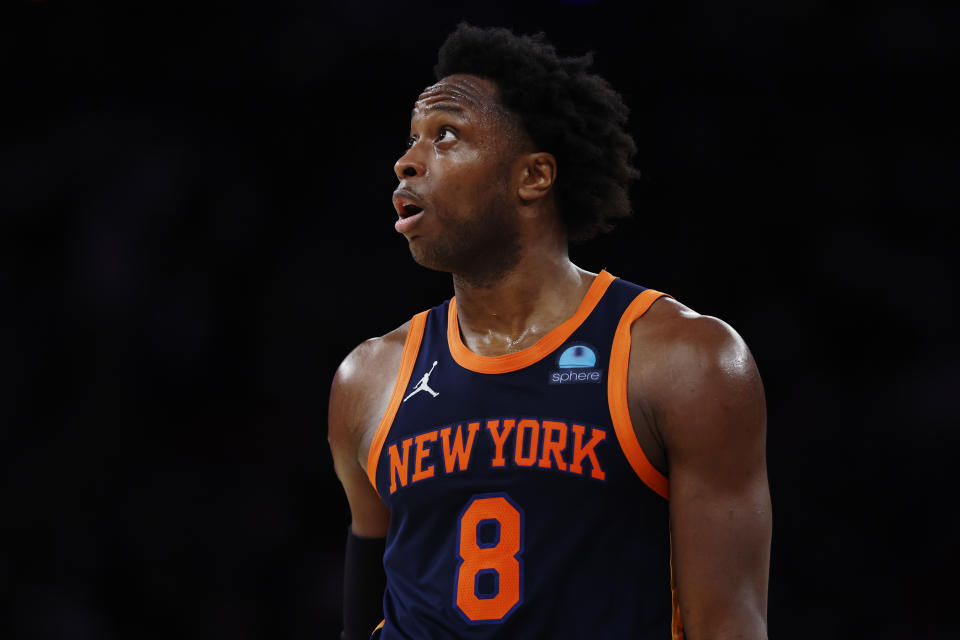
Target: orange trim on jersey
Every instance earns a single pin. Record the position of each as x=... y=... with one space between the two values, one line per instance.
x=617 y=395
x=411 y=347
x=541 y=349
x=380 y=626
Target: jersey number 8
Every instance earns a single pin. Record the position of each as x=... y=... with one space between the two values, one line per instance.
x=489 y=576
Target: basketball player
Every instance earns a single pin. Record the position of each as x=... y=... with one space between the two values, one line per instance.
x=552 y=453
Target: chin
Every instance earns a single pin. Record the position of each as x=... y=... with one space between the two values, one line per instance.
x=428 y=257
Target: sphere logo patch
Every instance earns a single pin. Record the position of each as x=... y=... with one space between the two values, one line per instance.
x=577 y=363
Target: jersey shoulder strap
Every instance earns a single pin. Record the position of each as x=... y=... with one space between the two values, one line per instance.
x=411 y=347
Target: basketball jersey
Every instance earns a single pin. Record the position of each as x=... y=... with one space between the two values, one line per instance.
x=521 y=503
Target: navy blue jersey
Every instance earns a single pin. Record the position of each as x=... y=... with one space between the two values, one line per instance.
x=521 y=503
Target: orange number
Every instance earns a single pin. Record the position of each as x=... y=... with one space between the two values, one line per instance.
x=489 y=574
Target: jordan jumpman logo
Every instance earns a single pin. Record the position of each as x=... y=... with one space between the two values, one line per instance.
x=423 y=386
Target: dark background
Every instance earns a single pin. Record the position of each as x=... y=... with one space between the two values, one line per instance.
x=196 y=228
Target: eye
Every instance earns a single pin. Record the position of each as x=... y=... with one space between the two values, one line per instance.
x=446 y=134
x=412 y=140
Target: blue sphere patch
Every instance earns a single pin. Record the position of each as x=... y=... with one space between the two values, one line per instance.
x=577 y=357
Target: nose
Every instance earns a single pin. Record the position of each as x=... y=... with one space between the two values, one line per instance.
x=409 y=165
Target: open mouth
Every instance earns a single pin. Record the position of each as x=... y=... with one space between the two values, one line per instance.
x=409 y=206
x=409 y=209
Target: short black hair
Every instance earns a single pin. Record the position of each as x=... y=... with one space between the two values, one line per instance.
x=565 y=109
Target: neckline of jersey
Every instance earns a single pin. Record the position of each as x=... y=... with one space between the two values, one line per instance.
x=539 y=350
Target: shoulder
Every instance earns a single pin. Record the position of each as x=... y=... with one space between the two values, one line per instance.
x=679 y=336
x=359 y=367
x=695 y=371
x=361 y=390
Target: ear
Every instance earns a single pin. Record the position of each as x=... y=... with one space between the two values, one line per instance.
x=538 y=173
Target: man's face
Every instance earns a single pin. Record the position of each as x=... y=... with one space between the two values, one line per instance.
x=456 y=201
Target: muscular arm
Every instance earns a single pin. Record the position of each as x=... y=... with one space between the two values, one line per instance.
x=710 y=416
x=358 y=398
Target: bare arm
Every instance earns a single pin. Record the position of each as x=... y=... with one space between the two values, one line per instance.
x=369 y=517
x=358 y=398
x=710 y=415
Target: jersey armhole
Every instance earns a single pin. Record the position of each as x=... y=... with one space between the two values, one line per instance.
x=411 y=347
x=617 y=395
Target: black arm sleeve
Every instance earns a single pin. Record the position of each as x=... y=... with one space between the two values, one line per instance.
x=363 y=585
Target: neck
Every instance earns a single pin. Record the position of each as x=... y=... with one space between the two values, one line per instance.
x=518 y=308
